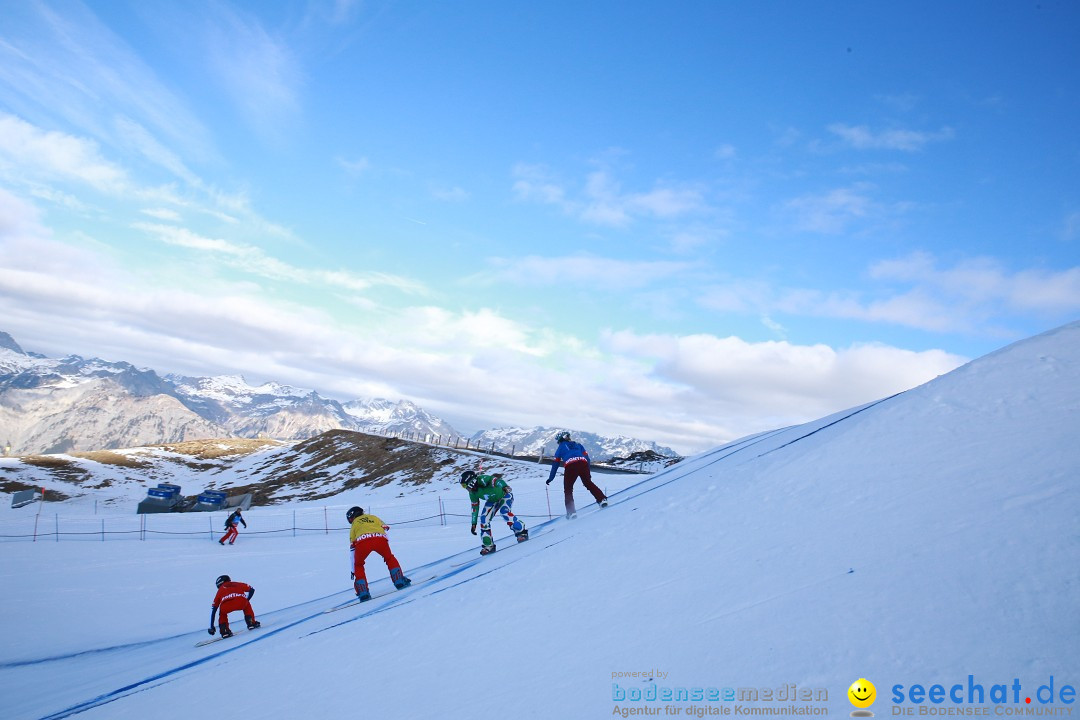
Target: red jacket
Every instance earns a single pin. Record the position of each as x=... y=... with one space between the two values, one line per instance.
x=232 y=591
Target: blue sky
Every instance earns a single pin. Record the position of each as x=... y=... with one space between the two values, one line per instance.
x=680 y=221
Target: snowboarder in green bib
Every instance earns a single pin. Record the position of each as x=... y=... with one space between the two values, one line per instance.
x=498 y=498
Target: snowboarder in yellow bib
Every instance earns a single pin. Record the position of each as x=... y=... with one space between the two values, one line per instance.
x=367 y=534
x=498 y=498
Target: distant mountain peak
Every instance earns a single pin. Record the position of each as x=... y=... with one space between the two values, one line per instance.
x=8 y=343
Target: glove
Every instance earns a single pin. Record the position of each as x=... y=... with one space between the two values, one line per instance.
x=352 y=576
x=473 y=529
x=211 y=630
x=549 y=481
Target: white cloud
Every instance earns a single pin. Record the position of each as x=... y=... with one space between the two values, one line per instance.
x=19 y=220
x=535 y=183
x=41 y=160
x=450 y=194
x=778 y=379
x=985 y=282
x=65 y=63
x=259 y=72
x=57 y=156
x=738 y=296
x=689 y=391
x=162 y=214
x=861 y=137
x=142 y=141
x=595 y=272
x=977 y=295
x=1072 y=227
x=831 y=212
x=253 y=260
x=354 y=168
x=724 y=152
x=602 y=201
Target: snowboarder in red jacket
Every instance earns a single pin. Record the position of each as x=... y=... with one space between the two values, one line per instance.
x=232 y=596
x=231 y=533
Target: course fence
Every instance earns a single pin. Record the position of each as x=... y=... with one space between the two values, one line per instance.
x=263 y=522
x=266 y=522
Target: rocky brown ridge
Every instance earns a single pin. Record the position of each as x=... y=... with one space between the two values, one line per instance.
x=273 y=472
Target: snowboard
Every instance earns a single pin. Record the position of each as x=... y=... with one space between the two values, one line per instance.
x=215 y=638
x=543 y=530
x=354 y=603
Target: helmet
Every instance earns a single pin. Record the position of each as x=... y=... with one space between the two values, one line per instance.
x=353 y=513
x=564 y=436
x=468 y=480
x=222 y=579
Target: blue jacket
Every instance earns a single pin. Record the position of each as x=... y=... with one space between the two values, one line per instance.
x=568 y=452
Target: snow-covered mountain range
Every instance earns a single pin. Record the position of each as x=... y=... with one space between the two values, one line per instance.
x=537 y=440
x=77 y=404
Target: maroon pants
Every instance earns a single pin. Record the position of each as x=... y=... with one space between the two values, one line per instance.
x=571 y=473
x=230 y=535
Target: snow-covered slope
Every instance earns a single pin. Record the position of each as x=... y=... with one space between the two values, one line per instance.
x=926 y=539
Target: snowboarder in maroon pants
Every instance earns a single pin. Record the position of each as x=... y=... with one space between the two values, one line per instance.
x=231 y=532
x=575 y=460
x=232 y=596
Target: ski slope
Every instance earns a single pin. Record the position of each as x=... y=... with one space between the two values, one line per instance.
x=924 y=538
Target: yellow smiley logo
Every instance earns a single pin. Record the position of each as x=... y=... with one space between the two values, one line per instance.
x=862 y=693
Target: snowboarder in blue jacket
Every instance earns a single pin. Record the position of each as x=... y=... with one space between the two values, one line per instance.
x=574 y=458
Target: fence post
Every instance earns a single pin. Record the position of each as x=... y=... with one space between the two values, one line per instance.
x=102 y=528
x=294 y=523
x=442 y=517
x=56 y=520
x=325 y=522
x=37 y=515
